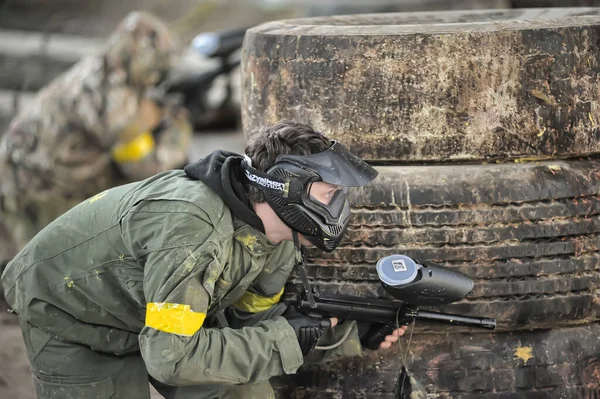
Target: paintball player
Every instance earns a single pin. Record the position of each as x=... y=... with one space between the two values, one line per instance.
x=94 y=127
x=177 y=279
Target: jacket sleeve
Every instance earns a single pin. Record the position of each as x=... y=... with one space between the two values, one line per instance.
x=261 y=301
x=179 y=281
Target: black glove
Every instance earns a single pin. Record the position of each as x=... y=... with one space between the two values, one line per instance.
x=308 y=329
x=371 y=335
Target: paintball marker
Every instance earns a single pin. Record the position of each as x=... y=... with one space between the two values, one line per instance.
x=219 y=44
x=411 y=284
x=209 y=94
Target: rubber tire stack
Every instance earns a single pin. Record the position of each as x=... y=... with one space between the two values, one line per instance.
x=484 y=127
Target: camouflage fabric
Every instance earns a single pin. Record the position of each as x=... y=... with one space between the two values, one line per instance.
x=92 y=128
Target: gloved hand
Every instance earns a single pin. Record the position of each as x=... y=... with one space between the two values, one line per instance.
x=308 y=329
x=377 y=336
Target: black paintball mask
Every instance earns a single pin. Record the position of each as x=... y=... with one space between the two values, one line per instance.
x=288 y=189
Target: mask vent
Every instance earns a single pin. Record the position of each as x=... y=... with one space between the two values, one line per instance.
x=300 y=222
x=332 y=244
x=278 y=200
x=293 y=216
x=281 y=173
x=335 y=230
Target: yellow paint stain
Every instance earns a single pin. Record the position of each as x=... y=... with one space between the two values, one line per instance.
x=542 y=131
x=542 y=96
x=248 y=240
x=524 y=353
x=554 y=167
x=526 y=159
x=96 y=197
x=188 y=266
x=70 y=284
x=286 y=189
x=591 y=118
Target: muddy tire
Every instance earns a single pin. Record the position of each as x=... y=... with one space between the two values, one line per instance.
x=526 y=233
x=515 y=84
x=545 y=364
x=523 y=84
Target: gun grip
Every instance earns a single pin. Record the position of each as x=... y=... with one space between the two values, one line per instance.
x=377 y=335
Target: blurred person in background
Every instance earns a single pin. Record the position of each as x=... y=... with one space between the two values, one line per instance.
x=96 y=126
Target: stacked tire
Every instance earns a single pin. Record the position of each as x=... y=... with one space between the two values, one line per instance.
x=484 y=128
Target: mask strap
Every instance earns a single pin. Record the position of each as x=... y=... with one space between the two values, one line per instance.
x=301 y=266
x=264 y=181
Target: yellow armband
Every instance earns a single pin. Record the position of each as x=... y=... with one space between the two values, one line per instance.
x=135 y=150
x=173 y=318
x=254 y=303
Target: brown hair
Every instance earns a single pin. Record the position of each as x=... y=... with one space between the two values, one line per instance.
x=284 y=137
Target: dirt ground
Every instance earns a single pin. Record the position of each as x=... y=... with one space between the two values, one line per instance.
x=15 y=380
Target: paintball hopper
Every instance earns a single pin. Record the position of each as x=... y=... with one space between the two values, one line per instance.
x=417 y=284
x=219 y=44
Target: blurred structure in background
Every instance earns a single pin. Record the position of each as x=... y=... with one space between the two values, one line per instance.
x=40 y=39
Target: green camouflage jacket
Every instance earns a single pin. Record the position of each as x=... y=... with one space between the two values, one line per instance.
x=141 y=266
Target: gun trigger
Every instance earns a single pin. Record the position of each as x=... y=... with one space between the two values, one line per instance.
x=377 y=335
x=311 y=298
